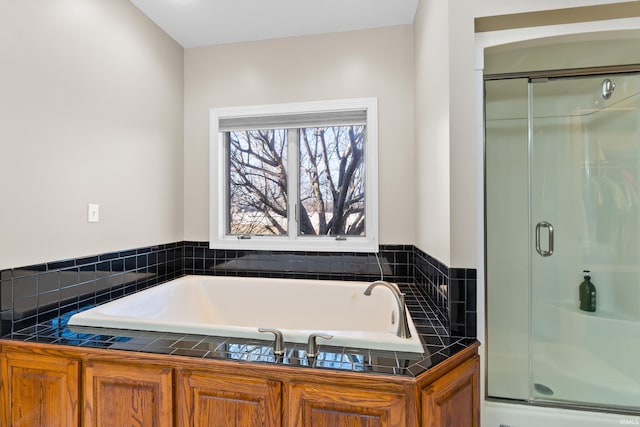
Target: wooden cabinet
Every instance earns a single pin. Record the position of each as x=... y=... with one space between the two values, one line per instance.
x=39 y=390
x=127 y=395
x=453 y=400
x=315 y=405
x=205 y=399
x=55 y=385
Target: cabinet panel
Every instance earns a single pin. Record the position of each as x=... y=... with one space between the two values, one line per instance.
x=42 y=385
x=39 y=390
x=329 y=406
x=206 y=399
x=454 y=399
x=127 y=395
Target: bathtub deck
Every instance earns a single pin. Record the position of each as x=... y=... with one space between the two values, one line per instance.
x=438 y=345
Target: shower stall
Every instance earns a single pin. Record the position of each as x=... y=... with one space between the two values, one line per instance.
x=562 y=188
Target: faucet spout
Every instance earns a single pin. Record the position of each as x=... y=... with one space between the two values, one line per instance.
x=403 y=323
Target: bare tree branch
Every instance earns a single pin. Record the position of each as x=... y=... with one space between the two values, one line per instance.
x=331 y=179
x=315 y=183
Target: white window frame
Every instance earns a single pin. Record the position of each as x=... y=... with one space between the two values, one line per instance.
x=218 y=239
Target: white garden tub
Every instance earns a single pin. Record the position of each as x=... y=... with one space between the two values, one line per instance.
x=237 y=307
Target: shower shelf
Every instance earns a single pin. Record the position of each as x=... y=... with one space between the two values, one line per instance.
x=598 y=314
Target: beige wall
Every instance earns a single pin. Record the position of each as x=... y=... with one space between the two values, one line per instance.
x=431 y=58
x=371 y=63
x=93 y=104
x=455 y=127
x=91 y=111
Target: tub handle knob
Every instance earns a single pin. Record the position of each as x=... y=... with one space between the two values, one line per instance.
x=312 y=346
x=278 y=342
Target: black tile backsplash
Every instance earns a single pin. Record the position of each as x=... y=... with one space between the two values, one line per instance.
x=35 y=293
x=451 y=290
x=394 y=262
x=32 y=294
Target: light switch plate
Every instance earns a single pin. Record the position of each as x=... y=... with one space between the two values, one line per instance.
x=93 y=212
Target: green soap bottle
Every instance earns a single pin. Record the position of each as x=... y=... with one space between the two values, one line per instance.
x=587 y=293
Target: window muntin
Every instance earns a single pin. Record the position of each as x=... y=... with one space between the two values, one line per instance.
x=314 y=167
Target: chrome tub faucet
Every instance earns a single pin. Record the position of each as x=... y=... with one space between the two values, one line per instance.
x=403 y=323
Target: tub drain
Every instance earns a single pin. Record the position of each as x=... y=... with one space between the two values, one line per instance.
x=543 y=389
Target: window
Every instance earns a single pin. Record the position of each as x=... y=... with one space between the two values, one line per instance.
x=295 y=176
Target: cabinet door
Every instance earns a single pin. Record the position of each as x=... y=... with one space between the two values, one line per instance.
x=454 y=399
x=330 y=406
x=127 y=395
x=205 y=399
x=39 y=390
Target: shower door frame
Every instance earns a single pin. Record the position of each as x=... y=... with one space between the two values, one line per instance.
x=532 y=76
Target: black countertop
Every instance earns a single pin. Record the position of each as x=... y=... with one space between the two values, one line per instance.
x=438 y=346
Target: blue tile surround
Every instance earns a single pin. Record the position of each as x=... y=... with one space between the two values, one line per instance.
x=35 y=294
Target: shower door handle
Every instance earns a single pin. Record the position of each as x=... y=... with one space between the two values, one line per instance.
x=549 y=227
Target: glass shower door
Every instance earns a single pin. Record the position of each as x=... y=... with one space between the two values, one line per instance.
x=507 y=241
x=584 y=198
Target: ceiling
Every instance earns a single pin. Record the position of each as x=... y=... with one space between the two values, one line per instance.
x=194 y=23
